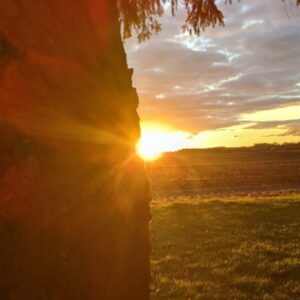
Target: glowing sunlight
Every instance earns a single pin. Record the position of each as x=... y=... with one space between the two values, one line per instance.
x=158 y=138
x=147 y=148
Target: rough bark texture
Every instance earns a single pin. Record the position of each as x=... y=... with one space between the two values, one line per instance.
x=74 y=199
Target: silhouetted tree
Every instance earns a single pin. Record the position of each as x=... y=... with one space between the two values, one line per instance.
x=74 y=199
x=141 y=16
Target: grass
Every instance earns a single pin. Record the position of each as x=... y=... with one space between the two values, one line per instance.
x=226 y=249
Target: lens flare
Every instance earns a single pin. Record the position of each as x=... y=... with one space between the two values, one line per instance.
x=147 y=148
x=157 y=139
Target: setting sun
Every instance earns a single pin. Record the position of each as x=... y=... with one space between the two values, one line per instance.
x=148 y=149
x=159 y=138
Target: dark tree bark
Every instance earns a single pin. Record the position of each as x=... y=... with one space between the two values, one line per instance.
x=74 y=198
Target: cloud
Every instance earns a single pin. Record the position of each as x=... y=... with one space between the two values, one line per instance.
x=293 y=129
x=209 y=82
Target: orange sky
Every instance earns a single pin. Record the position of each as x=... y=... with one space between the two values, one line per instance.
x=232 y=86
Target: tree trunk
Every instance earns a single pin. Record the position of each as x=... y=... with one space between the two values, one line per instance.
x=74 y=198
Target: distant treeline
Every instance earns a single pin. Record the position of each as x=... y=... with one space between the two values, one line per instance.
x=263 y=147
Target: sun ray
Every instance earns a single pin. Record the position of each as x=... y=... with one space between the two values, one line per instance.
x=158 y=138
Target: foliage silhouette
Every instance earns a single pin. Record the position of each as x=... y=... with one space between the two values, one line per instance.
x=141 y=16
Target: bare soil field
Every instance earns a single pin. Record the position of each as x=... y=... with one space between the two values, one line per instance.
x=209 y=174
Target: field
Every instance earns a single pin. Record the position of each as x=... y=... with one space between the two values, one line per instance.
x=225 y=173
x=226 y=241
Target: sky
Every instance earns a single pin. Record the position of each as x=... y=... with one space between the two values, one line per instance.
x=233 y=86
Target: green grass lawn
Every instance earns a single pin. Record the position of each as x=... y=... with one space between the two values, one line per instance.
x=226 y=249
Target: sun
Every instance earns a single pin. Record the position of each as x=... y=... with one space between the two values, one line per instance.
x=159 y=138
x=148 y=147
